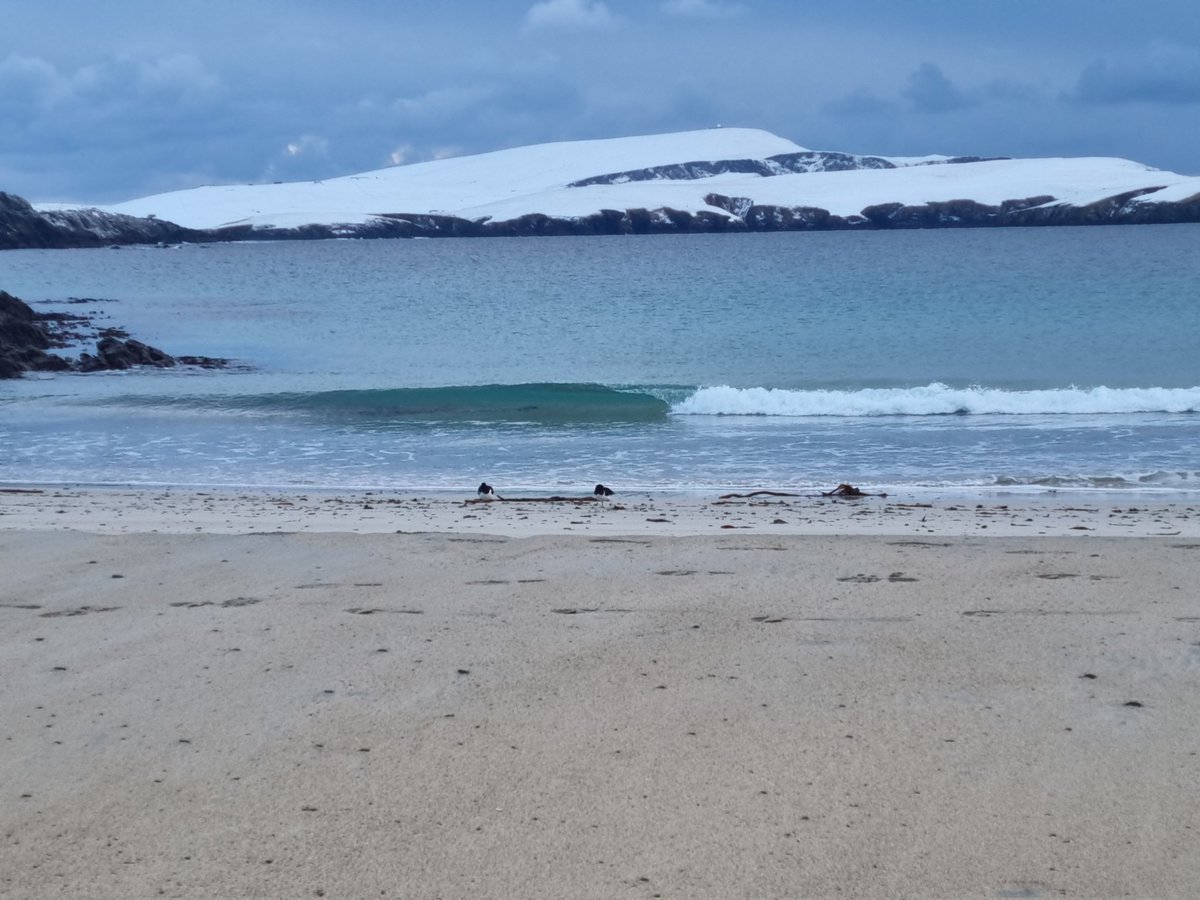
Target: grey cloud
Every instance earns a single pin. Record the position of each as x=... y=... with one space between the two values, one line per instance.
x=29 y=84
x=929 y=90
x=151 y=89
x=148 y=124
x=224 y=93
x=443 y=104
x=859 y=103
x=1165 y=74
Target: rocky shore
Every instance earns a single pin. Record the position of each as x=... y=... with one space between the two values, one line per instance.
x=27 y=339
x=24 y=228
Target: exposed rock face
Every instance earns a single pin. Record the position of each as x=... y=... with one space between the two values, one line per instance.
x=783 y=164
x=23 y=227
x=115 y=353
x=743 y=214
x=1027 y=211
x=26 y=340
x=24 y=343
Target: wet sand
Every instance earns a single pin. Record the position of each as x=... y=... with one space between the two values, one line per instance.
x=364 y=695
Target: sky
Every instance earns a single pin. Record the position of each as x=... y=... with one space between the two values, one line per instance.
x=109 y=101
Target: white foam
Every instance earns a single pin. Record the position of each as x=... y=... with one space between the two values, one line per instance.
x=935 y=399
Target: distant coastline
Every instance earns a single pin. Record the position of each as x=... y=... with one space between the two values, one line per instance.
x=23 y=227
x=701 y=182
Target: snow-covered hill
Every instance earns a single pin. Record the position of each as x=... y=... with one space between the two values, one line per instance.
x=712 y=180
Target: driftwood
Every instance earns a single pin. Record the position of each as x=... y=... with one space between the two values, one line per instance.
x=758 y=494
x=842 y=490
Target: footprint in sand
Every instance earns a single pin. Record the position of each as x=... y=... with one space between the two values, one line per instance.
x=370 y=611
x=227 y=604
x=894 y=578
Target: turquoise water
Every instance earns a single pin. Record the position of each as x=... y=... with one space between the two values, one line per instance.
x=1016 y=358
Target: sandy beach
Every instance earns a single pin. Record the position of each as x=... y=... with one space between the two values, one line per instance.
x=216 y=694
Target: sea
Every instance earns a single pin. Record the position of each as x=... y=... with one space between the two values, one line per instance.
x=1015 y=361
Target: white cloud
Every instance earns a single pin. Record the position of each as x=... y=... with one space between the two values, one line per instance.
x=407 y=153
x=401 y=155
x=573 y=14
x=702 y=9
x=307 y=145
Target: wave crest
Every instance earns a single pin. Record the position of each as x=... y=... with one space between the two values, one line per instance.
x=545 y=403
x=935 y=400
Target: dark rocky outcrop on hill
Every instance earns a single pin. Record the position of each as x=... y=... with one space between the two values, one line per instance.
x=23 y=227
x=781 y=164
x=27 y=337
x=744 y=215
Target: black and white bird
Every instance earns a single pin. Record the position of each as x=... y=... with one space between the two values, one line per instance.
x=486 y=490
x=602 y=493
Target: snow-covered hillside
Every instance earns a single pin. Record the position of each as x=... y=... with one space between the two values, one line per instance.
x=719 y=175
x=514 y=179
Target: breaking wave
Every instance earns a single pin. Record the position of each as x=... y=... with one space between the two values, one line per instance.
x=936 y=400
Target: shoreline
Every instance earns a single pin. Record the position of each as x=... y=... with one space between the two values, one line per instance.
x=116 y=510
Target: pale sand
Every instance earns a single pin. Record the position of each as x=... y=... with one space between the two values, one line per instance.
x=869 y=699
